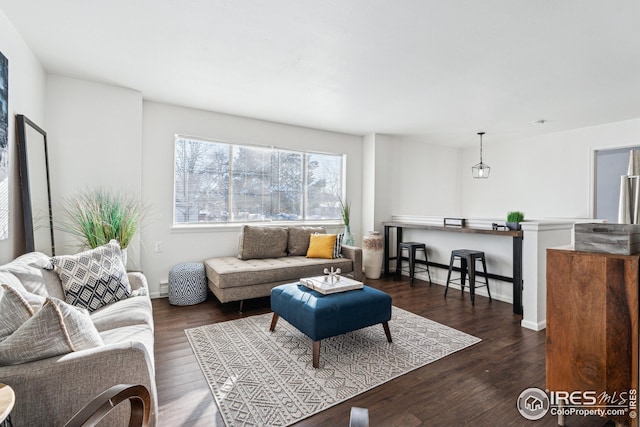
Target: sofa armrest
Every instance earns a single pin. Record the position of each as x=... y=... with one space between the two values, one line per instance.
x=51 y=391
x=354 y=253
x=138 y=281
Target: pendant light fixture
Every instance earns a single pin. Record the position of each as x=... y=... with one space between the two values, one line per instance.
x=481 y=170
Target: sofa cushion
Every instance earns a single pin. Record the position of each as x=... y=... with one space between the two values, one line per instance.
x=57 y=328
x=34 y=271
x=262 y=242
x=229 y=272
x=298 y=242
x=16 y=307
x=321 y=246
x=94 y=278
x=127 y=312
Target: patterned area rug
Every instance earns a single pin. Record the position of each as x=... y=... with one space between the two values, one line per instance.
x=262 y=378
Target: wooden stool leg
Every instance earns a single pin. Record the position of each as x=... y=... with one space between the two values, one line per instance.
x=387 y=332
x=274 y=320
x=316 y=354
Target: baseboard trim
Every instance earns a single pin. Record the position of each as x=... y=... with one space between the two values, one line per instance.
x=535 y=326
x=480 y=292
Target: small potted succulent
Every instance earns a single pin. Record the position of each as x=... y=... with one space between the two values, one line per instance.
x=514 y=219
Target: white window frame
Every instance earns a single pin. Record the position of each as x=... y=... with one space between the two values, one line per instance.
x=195 y=226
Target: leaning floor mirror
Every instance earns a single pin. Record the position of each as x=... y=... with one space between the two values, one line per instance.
x=34 y=181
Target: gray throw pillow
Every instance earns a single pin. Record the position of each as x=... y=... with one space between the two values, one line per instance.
x=94 y=278
x=57 y=328
x=262 y=242
x=33 y=269
x=16 y=307
x=298 y=243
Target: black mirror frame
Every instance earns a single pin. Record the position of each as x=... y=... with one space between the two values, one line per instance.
x=21 y=123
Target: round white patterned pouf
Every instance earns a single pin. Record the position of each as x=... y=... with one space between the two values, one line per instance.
x=187 y=284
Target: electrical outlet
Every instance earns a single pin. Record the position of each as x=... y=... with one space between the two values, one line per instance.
x=158 y=247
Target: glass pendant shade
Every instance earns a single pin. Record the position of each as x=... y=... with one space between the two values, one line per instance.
x=481 y=170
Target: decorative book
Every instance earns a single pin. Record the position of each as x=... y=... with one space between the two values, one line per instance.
x=331 y=284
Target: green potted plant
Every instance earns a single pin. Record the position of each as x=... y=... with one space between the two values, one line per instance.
x=345 y=212
x=96 y=216
x=514 y=219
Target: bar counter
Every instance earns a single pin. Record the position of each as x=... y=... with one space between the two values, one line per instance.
x=517 y=237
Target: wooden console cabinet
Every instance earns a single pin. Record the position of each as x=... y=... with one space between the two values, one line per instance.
x=592 y=323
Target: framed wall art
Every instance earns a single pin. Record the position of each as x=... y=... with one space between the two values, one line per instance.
x=4 y=147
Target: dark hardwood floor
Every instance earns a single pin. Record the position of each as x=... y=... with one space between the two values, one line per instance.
x=477 y=386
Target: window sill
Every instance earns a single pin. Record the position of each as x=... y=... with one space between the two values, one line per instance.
x=236 y=226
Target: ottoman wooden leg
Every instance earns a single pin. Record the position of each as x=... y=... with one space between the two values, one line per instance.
x=316 y=354
x=387 y=332
x=274 y=320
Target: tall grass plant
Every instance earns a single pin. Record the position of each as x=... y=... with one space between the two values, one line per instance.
x=96 y=216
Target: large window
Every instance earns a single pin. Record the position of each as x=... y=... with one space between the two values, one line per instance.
x=217 y=182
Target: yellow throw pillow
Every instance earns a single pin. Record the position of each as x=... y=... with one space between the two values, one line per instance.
x=321 y=246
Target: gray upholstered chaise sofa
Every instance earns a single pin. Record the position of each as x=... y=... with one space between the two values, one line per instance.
x=50 y=391
x=271 y=256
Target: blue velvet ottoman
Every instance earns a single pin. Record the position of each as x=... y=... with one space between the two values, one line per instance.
x=323 y=316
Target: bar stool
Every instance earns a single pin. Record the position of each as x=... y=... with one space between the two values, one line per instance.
x=412 y=248
x=468 y=259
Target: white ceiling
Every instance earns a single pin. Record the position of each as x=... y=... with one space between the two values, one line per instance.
x=439 y=69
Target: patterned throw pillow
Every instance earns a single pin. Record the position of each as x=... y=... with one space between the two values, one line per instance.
x=57 y=328
x=94 y=278
x=337 y=249
x=16 y=307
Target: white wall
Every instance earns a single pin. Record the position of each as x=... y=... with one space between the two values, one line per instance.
x=161 y=122
x=380 y=157
x=548 y=176
x=95 y=141
x=424 y=178
x=27 y=82
x=368 y=181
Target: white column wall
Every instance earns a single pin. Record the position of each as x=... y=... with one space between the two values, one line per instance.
x=369 y=174
x=538 y=237
x=386 y=166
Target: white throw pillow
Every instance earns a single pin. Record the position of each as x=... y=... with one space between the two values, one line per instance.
x=57 y=328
